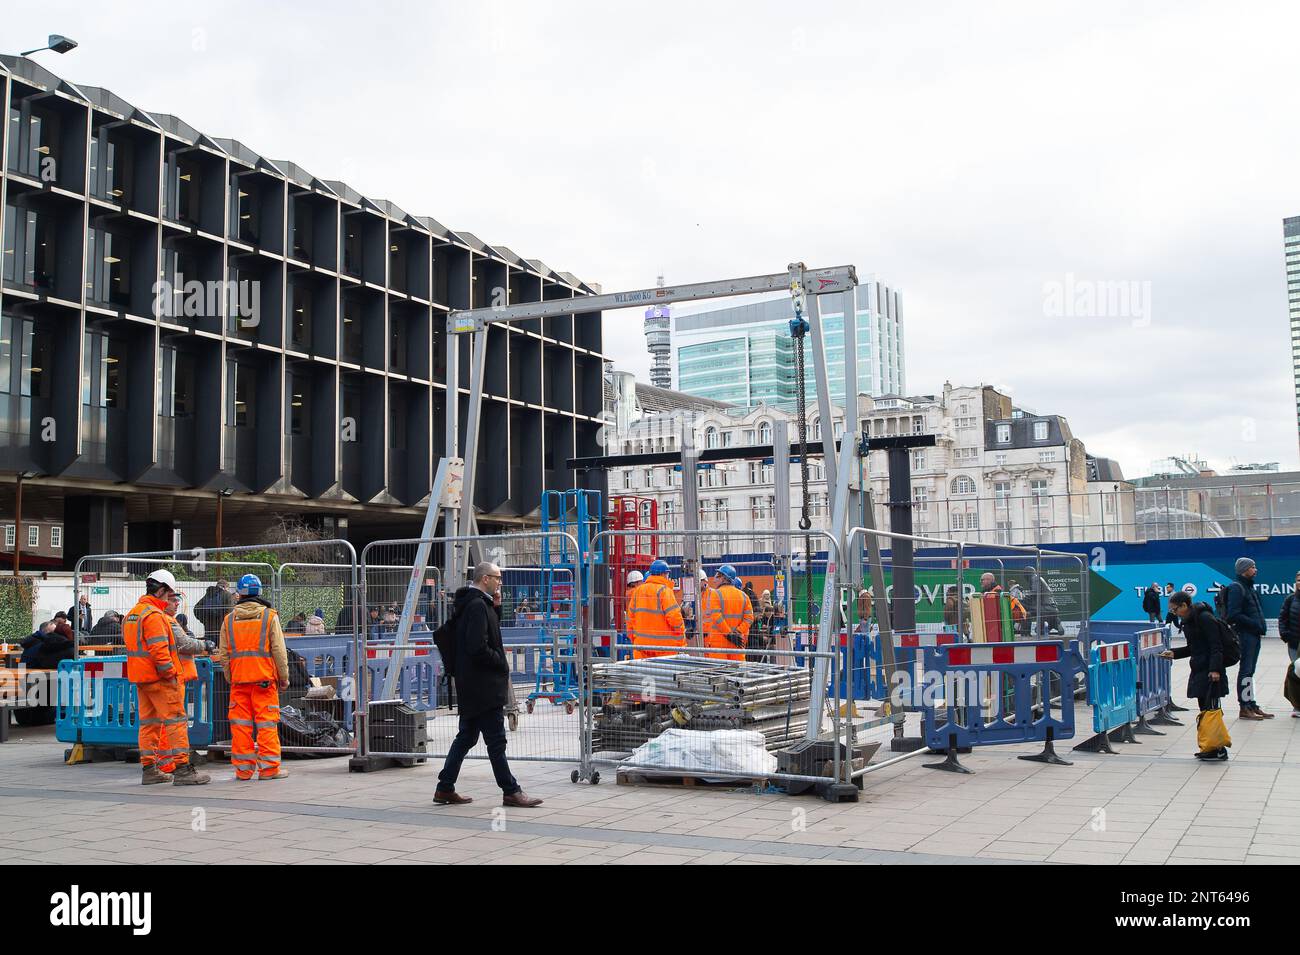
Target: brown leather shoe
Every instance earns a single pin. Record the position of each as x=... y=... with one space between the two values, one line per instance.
x=520 y=800
x=1250 y=715
x=1264 y=713
x=452 y=798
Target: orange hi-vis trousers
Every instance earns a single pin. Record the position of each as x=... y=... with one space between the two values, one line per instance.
x=254 y=729
x=164 y=736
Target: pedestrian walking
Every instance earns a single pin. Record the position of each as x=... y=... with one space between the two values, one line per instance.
x=482 y=678
x=1040 y=605
x=1206 y=683
x=1151 y=603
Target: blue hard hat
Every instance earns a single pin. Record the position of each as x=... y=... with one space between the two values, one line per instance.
x=250 y=585
x=659 y=568
x=726 y=570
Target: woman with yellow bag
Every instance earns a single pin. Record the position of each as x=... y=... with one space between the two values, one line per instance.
x=1206 y=683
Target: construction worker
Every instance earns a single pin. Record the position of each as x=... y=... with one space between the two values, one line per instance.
x=188 y=647
x=153 y=665
x=654 y=617
x=257 y=665
x=634 y=580
x=728 y=615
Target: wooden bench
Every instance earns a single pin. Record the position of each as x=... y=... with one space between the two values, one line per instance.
x=21 y=688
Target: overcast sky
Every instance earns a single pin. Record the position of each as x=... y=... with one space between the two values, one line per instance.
x=995 y=162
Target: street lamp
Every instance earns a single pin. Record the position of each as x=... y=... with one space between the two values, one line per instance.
x=224 y=493
x=59 y=44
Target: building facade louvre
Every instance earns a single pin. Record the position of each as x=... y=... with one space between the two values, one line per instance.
x=183 y=316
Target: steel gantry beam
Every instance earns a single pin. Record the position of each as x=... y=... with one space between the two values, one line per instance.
x=475 y=323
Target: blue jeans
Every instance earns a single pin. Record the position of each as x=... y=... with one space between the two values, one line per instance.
x=1250 y=644
x=492 y=725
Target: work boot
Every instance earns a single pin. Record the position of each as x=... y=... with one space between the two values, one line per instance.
x=152 y=775
x=1264 y=713
x=280 y=773
x=450 y=798
x=1249 y=714
x=187 y=775
x=520 y=800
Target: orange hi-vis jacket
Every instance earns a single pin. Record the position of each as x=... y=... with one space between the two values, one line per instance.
x=250 y=647
x=150 y=647
x=727 y=610
x=654 y=618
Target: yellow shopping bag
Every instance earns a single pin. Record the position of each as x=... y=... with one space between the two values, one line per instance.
x=1211 y=734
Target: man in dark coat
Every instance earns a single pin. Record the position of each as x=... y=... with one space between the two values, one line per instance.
x=1151 y=603
x=1204 y=651
x=211 y=610
x=81 y=615
x=1246 y=617
x=482 y=689
x=1041 y=605
x=107 y=630
x=1288 y=628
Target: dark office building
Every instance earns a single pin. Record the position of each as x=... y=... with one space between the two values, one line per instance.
x=182 y=317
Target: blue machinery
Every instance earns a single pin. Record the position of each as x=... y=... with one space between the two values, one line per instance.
x=567 y=516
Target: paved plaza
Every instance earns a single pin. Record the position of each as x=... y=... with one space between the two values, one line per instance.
x=1152 y=805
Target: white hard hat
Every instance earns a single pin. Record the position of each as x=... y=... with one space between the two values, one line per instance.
x=163 y=577
x=703 y=575
x=635 y=577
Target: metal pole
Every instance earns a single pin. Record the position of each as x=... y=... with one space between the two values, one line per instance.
x=478 y=363
x=416 y=582
x=830 y=602
x=900 y=548
x=825 y=415
x=18 y=528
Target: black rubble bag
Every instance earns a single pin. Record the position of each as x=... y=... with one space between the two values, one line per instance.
x=299 y=728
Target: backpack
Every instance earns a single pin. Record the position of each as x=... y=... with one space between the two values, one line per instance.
x=1227 y=636
x=444 y=638
x=1221 y=601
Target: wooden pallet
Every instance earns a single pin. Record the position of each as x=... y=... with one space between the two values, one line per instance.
x=630 y=777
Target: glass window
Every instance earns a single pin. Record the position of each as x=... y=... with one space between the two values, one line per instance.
x=56 y=537
x=6 y=352
x=33 y=535
x=1040 y=430
x=242 y=412
x=962 y=484
x=300 y=409
x=1004 y=433
x=300 y=318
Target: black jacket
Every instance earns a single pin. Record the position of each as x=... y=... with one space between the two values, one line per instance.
x=212 y=609
x=1244 y=611
x=1151 y=601
x=482 y=673
x=44 y=651
x=1039 y=599
x=81 y=614
x=1288 y=621
x=1205 y=652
